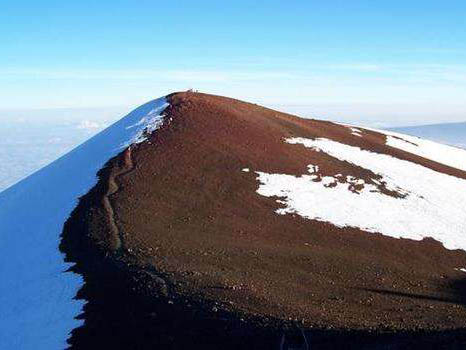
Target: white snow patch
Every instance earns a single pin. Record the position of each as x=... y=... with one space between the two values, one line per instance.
x=433 y=205
x=36 y=295
x=146 y=125
x=246 y=170
x=438 y=152
x=355 y=131
x=461 y=269
x=328 y=181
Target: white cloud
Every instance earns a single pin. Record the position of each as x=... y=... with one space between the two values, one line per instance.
x=89 y=125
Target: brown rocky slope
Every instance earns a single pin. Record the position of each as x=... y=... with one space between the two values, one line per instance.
x=178 y=249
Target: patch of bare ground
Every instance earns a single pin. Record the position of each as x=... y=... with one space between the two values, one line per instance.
x=178 y=250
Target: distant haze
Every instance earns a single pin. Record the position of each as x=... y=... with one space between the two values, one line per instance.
x=31 y=139
x=378 y=115
x=452 y=133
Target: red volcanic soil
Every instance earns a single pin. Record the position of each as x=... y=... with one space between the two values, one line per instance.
x=177 y=248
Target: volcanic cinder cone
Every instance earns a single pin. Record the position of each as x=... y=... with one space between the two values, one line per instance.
x=232 y=222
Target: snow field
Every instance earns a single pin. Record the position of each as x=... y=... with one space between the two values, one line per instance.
x=433 y=205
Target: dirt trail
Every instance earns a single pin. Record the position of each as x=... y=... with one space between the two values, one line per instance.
x=118 y=247
x=113 y=188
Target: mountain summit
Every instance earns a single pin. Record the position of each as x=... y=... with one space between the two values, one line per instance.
x=216 y=221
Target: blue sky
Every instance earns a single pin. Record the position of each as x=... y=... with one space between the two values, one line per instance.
x=404 y=60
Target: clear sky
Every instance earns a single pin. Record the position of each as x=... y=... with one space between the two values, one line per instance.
x=404 y=60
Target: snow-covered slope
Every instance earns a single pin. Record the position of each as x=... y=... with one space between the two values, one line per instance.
x=438 y=152
x=430 y=203
x=36 y=295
